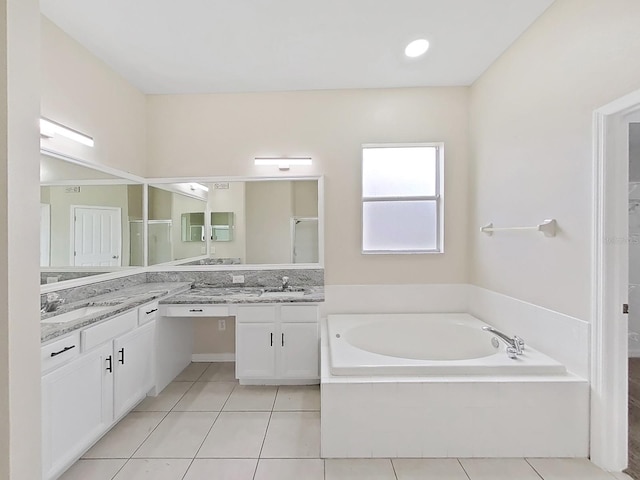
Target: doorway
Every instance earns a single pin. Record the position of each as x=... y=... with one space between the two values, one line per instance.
x=96 y=236
x=304 y=240
x=610 y=282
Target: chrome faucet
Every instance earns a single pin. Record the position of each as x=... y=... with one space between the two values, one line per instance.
x=52 y=303
x=515 y=345
x=285 y=283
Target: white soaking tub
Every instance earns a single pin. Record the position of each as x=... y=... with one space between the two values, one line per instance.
x=425 y=344
x=433 y=385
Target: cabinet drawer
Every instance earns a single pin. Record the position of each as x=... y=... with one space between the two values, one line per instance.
x=299 y=313
x=196 y=311
x=148 y=312
x=258 y=313
x=59 y=351
x=94 y=336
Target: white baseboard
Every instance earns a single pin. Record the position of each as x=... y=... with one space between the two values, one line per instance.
x=213 y=357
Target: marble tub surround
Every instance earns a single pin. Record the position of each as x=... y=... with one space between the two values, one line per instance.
x=252 y=278
x=205 y=294
x=118 y=301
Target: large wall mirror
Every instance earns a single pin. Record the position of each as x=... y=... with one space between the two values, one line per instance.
x=90 y=221
x=252 y=222
x=93 y=221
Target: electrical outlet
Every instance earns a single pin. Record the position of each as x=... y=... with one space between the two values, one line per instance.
x=213 y=250
x=237 y=278
x=203 y=250
x=222 y=324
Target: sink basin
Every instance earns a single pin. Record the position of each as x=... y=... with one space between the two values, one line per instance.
x=282 y=294
x=76 y=314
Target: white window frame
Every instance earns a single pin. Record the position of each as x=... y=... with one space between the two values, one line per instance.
x=438 y=197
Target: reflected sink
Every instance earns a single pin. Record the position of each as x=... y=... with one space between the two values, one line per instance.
x=282 y=294
x=76 y=314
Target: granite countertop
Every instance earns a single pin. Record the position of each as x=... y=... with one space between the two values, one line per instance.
x=217 y=295
x=118 y=301
x=171 y=293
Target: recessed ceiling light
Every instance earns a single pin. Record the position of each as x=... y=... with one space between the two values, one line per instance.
x=416 y=48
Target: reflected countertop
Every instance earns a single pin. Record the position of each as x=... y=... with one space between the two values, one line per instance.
x=235 y=295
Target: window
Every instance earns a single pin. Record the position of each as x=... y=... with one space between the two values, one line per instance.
x=402 y=198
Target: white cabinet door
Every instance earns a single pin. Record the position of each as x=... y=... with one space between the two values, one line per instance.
x=134 y=367
x=298 y=345
x=255 y=356
x=77 y=407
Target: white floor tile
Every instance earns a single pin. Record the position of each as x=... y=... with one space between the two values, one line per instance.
x=303 y=397
x=166 y=399
x=93 y=470
x=154 y=469
x=236 y=435
x=568 y=469
x=126 y=436
x=498 y=469
x=179 y=435
x=246 y=398
x=222 y=469
x=299 y=469
x=293 y=435
x=205 y=397
x=359 y=469
x=428 y=469
x=192 y=373
x=220 y=372
x=621 y=476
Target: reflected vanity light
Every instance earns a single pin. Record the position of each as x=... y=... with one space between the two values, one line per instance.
x=198 y=186
x=50 y=129
x=283 y=163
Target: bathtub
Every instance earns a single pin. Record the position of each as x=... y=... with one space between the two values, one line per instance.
x=433 y=385
x=425 y=344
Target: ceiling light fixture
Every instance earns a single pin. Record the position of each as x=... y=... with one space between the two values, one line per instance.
x=283 y=163
x=50 y=129
x=416 y=48
x=198 y=186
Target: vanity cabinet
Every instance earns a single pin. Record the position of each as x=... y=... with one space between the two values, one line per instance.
x=277 y=344
x=81 y=399
x=77 y=407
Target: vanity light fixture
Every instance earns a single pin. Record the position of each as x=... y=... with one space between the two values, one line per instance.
x=283 y=163
x=416 y=48
x=198 y=186
x=50 y=129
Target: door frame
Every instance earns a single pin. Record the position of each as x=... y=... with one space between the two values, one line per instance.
x=609 y=286
x=72 y=230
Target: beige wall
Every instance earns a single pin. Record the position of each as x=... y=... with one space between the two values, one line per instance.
x=305 y=198
x=80 y=91
x=230 y=200
x=203 y=135
x=269 y=207
x=531 y=118
x=208 y=339
x=20 y=409
x=181 y=204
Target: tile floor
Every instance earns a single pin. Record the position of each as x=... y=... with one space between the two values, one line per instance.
x=205 y=426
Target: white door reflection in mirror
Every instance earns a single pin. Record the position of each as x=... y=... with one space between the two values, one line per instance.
x=304 y=240
x=97 y=237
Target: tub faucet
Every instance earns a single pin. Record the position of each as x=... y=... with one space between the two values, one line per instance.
x=285 y=283
x=515 y=345
x=52 y=303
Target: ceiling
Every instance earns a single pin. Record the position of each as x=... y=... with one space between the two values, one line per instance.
x=207 y=46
